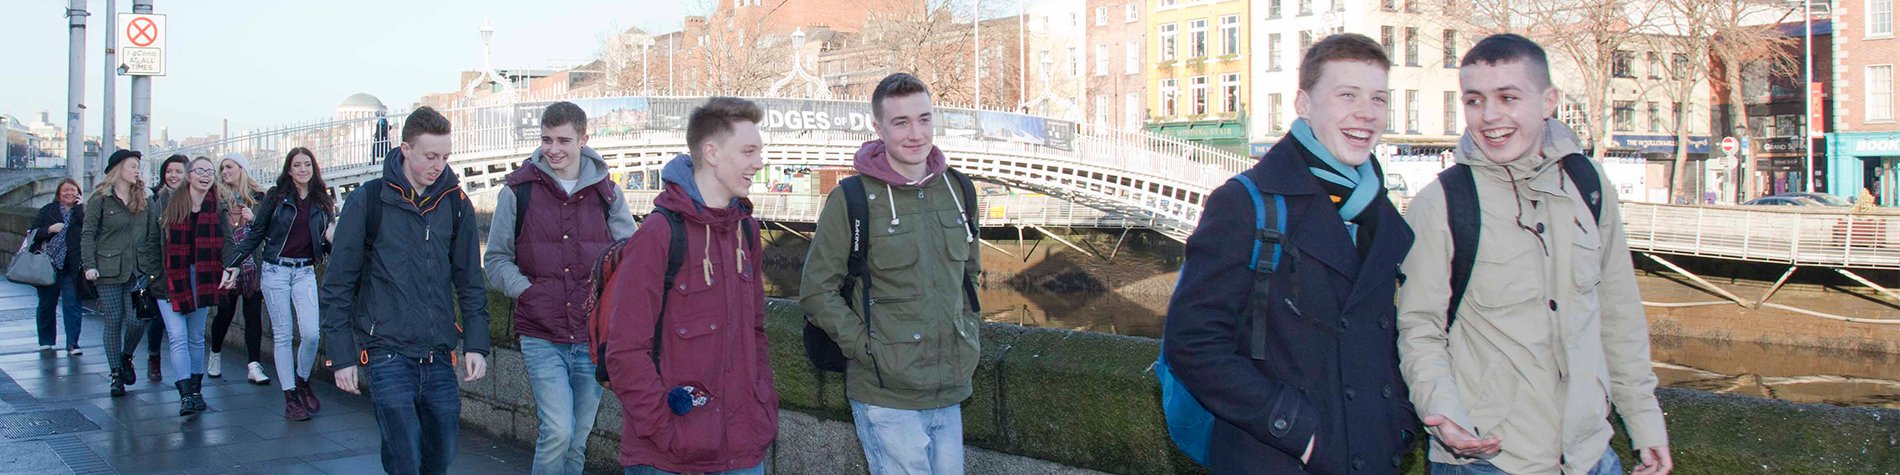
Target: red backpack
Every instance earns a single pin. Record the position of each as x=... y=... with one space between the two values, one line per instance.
x=598 y=323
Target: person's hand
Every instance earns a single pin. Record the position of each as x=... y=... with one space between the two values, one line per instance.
x=1460 y=441
x=92 y=274
x=329 y=234
x=247 y=215
x=477 y=366
x=55 y=228
x=1655 y=461
x=230 y=279
x=346 y=380
x=1308 y=456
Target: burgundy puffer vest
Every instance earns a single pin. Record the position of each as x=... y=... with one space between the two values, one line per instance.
x=561 y=237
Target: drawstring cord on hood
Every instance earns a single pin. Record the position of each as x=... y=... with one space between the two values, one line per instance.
x=1518 y=198
x=893 y=195
x=967 y=238
x=705 y=261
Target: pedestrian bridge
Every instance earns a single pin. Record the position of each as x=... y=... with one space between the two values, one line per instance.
x=1099 y=176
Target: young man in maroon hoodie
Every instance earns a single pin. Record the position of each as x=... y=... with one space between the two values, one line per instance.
x=687 y=356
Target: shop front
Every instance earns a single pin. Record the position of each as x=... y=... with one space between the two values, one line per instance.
x=1778 y=164
x=1656 y=157
x=1228 y=135
x=1865 y=161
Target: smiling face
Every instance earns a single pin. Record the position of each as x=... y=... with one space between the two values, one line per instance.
x=1505 y=106
x=1346 y=109
x=736 y=158
x=424 y=159
x=174 y=175
x=201 y=175
x=229 y=172
x=302 y=167
x=904 y=126
x=69 y=193
x=561 y=146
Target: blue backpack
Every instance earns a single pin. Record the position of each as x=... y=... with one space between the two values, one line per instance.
x=1189 y=423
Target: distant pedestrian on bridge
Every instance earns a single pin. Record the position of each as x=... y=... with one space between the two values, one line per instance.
x=558 y=213
x=119 y=219
x=696 y=397
x=1520 y=323
x=405 y=259
x=910 y=329
x=290 y=236
x=1284 y=332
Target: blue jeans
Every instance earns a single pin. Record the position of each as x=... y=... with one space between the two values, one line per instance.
x=1608 y=465
x=187 y=334
x=418 y=408
x=566 y=398
x=62 y=296
x=291 y=295
x=902 y=441
x=649 y=470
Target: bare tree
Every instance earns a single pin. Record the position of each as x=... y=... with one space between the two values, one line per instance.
x=1721 y=37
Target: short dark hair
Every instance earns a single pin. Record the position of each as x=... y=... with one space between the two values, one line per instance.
x=1504 y=48
x=1340 y=47
x=894 y=86
x=715 y=118
x=564 y=113
x=424 y=121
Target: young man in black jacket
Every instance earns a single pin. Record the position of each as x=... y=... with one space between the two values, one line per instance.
x=390 y=294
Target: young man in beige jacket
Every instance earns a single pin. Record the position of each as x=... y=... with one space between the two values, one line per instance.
x=1549 y=333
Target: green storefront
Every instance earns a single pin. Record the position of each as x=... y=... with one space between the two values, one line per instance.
x=1865 y=160
x=1228 y=135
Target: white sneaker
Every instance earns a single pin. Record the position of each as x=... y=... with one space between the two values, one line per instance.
x=257 y=376
x=46 y=347
x=75 y=351
x=214 y=366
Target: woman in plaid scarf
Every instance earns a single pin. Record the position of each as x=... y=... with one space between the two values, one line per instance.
x=194 y=235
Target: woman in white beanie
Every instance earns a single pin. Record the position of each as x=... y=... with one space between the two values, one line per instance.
x=236 y=185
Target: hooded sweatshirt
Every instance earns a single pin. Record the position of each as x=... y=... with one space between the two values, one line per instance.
x=920 y=347
x=712 y=337
x=400 y=295
x=546 y=269
x=1551 y=333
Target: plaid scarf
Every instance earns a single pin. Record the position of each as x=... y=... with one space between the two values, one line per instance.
x=56 y=246
x=193 y=253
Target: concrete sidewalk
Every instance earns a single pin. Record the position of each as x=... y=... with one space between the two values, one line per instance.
x=57 y=417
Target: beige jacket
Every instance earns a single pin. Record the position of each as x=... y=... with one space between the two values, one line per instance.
x=1542 y=312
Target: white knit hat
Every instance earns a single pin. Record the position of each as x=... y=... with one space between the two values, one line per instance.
x=239 y=158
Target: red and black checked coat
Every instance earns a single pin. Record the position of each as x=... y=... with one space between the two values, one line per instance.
x=193 y=250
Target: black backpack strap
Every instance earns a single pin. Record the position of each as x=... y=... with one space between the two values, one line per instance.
x=522 y=192
x=967 y=190
x=857 y=209
x=1589 y=185
x=372 y=192
x=1462 y=212
x=1269 y=234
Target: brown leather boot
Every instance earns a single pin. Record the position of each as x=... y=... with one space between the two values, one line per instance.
x=293 y=406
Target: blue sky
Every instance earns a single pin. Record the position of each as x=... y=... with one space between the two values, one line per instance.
x=262 y=63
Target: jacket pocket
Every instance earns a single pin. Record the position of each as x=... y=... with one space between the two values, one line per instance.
x=900 y=352
x=956 y=236
x=686 y=351
x=1499 y=280
x=893 y=245
x=111 y=264
x=1493 y=399
x=1586 y=262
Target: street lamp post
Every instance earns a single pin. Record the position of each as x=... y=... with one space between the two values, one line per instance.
x=976 y=51
x=1807 y=93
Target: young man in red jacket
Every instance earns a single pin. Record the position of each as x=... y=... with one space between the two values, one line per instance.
x=689 y=360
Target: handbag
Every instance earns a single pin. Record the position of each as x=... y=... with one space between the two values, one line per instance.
x=31 y=268
x=144 y=304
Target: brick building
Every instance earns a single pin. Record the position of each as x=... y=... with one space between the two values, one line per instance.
x=1115 y=72
x=1864 y=143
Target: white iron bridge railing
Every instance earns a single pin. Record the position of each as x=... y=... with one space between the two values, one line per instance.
x=1793 y=235
x=993 y=211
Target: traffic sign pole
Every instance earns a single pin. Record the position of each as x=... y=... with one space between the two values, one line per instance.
x=150 y=36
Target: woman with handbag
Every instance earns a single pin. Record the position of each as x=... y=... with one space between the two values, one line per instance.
x=55 y=232
x=193 y=235
x=293 y=227
x=119 y=221
x=171 y=177
x=240 y=193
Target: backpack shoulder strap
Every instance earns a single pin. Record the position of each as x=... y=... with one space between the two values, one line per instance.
x=1273 y=239
x=371 y=193
x=675 y=257
x=857 y=209
x=1589 y=184
x=967 y=189
x=522 y=193
x=1462 y=213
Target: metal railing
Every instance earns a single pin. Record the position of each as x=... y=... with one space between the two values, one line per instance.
x=1830 y=237
x=994 y=211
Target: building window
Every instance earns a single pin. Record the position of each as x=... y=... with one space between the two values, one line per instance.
x=1075 y=62
x=1131 y=111
x=1167 y=42
x=1451 y=49
x=1387 y=5
x=1678 y=66
x=1273 y=112
x=1101 y=18
x=1230 y=92
x=1273 y=52
x=1411 y=112
x=1880 y=93
x=1655 y=116
x=1386 y=39
x=1273 y=9
x=1132 y=61
x=1101 y=60
x=1129 y=14
x=1655 y=65
x=1620 y=64
x=1306 y=7
x=1411 y=47
x=1451 y=113
x=1306 y=42
x=1879 y=18
x=1167 y=3
x=1101 y=110
x=1197 y=39
x=1411 y=6
x=1391 y=120
x=1339 y=6
x=1625 y=116
x=1197 y=95
x=1169 y=92
x=1230 y=35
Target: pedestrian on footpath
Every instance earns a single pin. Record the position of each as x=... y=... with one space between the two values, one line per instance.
x=193 y=235
x=171 y=177
x=913 y=349
x=119 y=222
x=405 y=259
x=1517 y=344
x=55 y=233
x=241 y=194
x=293 y=231
x=1285 y=332
x=697 y=396
x=551 y=223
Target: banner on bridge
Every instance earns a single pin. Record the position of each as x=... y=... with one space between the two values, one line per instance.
x=625 y=115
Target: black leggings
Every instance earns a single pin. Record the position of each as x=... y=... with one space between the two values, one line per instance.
x=253 y=327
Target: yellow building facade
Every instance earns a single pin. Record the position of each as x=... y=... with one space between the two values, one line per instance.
x=1199 y=69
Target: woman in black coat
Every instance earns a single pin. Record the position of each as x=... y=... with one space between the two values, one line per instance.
x=56 y=232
